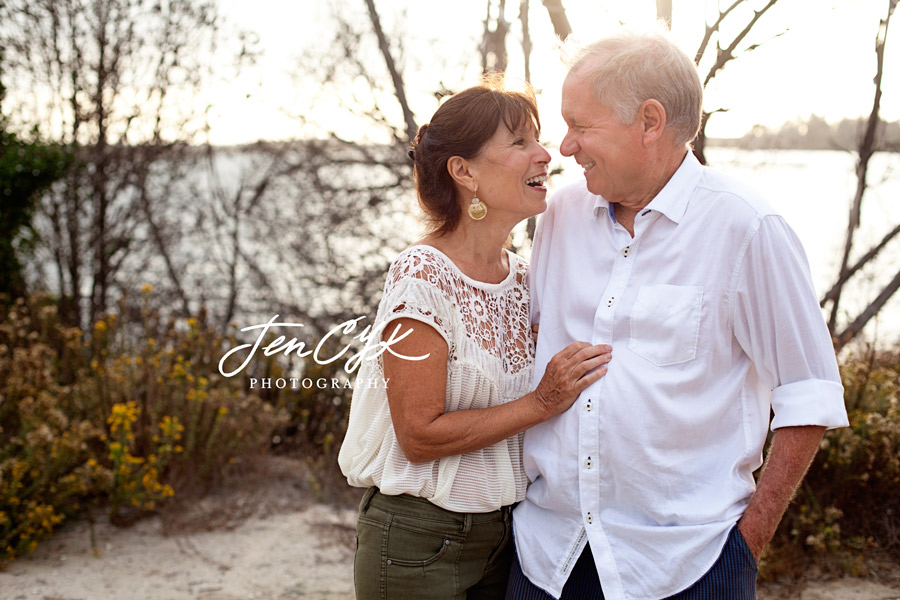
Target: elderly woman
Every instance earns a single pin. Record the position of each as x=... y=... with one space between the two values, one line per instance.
x=440 y=448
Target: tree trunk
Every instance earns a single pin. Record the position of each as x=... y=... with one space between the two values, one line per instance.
x=526 y=38
x=664 y=11
x=558 y=17
x=698 y=146
x=493 y=44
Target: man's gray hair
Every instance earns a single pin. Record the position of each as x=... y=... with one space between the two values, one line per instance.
x=630 y=67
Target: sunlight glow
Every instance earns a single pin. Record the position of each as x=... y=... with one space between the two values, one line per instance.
x=813 y=58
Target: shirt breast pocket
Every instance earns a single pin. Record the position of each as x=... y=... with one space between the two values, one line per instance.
x=665 y=323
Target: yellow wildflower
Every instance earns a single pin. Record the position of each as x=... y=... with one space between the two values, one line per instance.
x=123 y=416
x=171 y=427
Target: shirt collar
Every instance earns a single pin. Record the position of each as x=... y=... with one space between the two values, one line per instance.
x=672 y=200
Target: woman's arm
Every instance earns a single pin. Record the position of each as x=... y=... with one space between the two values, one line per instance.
x=416 y=395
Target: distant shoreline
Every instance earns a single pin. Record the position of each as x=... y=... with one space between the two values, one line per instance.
x=743 y=143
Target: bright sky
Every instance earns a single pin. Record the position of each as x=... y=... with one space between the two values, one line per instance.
x=823 y=63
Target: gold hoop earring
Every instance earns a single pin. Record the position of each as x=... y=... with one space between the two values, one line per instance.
x=477 y=210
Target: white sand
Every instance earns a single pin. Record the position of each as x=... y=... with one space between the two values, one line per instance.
x=292 y=555
x=275 y=553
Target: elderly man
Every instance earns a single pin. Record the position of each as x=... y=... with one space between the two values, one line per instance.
x=644 y=489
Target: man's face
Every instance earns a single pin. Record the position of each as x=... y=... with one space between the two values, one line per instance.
x=609 y=152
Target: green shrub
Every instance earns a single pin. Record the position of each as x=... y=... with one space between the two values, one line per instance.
x=46 y=469
x=169 y=370
x=128 y=416
x=318 y=417
x=848 y=507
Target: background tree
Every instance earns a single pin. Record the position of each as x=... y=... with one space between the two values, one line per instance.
x=558 y=18
x=307 y=228
x=27 y=167
x=493 y=45
x=116 y=81
x=664 y=11
x=725 y=52
x=869 y=143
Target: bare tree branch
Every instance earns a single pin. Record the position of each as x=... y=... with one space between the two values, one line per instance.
x=867 y=147
x=854 y=328
x=158 y=237
x=396 y=77
x=106 y=76
x=723 y=57
x=834 y=292
x=713 y=29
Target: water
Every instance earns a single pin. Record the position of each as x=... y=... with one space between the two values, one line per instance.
x=813 y=190
x=304 y=254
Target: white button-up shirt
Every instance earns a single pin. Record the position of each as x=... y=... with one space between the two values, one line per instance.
x=713 y=320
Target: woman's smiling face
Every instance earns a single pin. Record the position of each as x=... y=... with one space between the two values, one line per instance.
x=511 y=171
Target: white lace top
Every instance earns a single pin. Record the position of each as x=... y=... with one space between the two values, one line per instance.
x=491 y=350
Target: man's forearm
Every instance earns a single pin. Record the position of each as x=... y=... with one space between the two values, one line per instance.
x=790 y=455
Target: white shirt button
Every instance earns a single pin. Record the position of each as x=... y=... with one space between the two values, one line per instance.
x=589 y=518
x=588 y=405
x=588 y=463
x=626 y=251
x=610 y=302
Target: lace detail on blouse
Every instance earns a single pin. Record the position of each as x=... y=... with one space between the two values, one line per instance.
x=490 y=355
x=496 y=322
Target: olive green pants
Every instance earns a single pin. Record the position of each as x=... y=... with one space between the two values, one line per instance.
x=408 y=548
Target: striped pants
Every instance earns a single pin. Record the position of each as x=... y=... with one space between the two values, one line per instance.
x=732 y=577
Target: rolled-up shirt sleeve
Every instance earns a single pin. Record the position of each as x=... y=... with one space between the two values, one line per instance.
x=778 y=323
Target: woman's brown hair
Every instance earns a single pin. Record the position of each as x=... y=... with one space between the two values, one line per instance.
x=461 y=126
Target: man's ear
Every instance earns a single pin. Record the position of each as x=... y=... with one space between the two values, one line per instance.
x=461 y=171
x=652 y=116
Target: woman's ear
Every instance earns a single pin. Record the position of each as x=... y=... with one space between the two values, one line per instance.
x=460 y=170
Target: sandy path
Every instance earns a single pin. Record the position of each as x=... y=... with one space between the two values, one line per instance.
x=276 y=557
x=304 y=554
x=272 y=551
